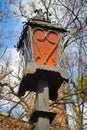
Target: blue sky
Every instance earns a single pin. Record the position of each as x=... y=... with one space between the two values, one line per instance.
x=9 y=26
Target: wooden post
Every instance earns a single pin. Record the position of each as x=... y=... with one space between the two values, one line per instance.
x=42 y=105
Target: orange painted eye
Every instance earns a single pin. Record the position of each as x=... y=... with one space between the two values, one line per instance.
x=39 y=35
x=52 y=37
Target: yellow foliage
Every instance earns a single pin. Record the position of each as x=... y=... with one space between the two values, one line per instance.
x=81 y=83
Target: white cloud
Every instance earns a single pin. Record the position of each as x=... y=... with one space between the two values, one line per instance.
x=12 y=56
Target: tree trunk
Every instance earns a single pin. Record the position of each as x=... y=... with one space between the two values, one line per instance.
x=61 y=120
